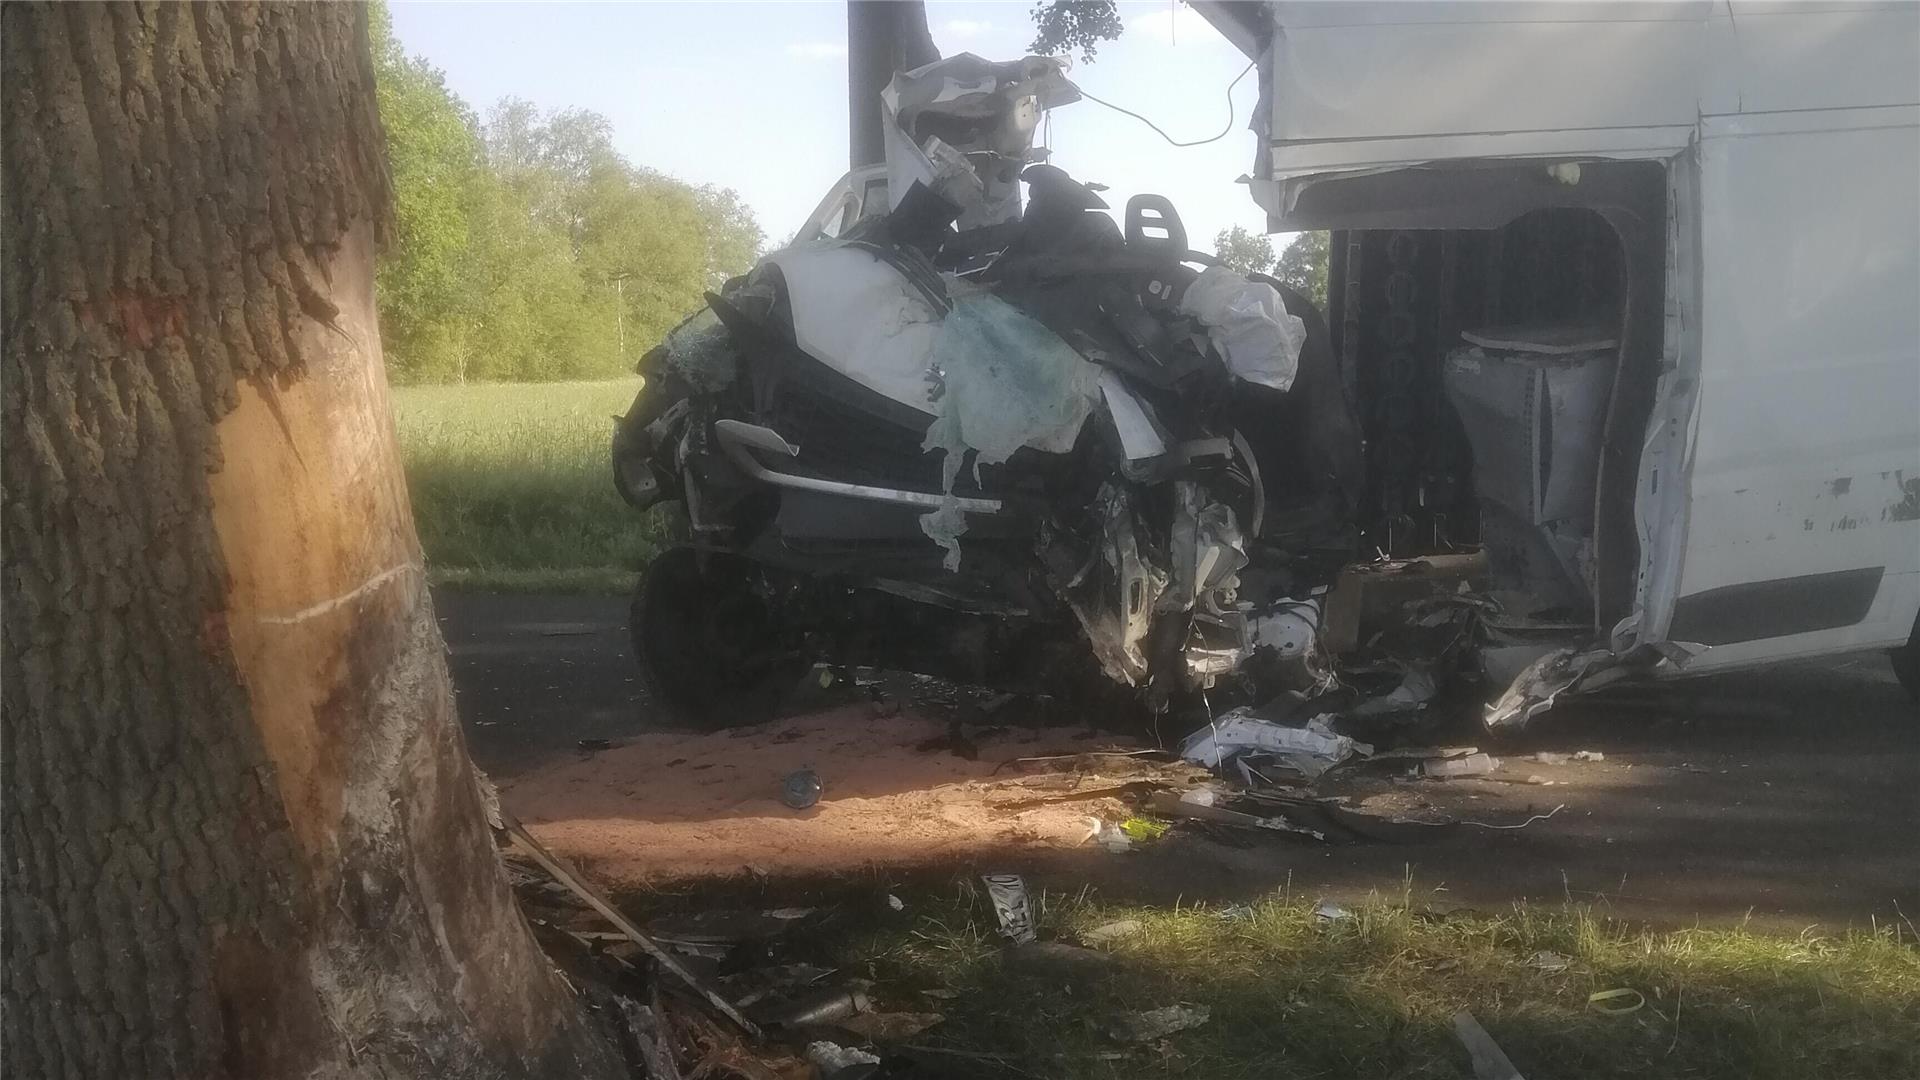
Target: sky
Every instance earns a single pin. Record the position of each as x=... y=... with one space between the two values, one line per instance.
x=752 y=96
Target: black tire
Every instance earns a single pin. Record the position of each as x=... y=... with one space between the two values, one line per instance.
x=1906 y=663
x=710 y=649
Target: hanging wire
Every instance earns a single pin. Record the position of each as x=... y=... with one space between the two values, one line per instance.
x=1224 y=132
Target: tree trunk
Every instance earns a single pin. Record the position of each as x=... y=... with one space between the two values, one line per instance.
x=884 y=37
x=242 y=837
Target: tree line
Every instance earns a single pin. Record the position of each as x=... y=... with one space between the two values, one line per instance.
x=525 y=246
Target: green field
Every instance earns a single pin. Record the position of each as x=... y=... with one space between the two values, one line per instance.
x=512 y=488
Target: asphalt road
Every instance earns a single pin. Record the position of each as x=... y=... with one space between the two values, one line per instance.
x=1789 y=796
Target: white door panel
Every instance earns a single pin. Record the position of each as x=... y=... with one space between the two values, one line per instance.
x=1806 y=461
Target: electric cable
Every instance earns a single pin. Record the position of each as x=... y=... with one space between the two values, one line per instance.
x=1224 y=132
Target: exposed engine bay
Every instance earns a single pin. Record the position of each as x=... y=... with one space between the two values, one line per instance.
x=1008 y=441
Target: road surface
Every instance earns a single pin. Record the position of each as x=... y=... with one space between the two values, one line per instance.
x=1790 y=796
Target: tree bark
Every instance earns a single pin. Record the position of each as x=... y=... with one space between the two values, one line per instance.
x=242 y=837
x=884 y=37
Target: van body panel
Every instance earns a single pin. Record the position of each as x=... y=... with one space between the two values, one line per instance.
x=1778 y=499
x=1807 y=446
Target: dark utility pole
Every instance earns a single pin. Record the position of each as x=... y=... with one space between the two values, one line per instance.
x=883 y=37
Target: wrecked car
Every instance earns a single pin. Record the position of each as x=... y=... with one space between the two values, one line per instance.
x=978 y=431
x=969 y=425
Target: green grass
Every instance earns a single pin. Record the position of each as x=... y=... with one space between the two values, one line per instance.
x=1374 y=995
x=512 y=488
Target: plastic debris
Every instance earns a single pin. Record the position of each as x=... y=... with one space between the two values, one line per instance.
x=1589 y=755
x=1549 y=962
x=1328 y=911
x=1159 y=1023
x=1489 y=1061
x=1617 y=1002
x=1471 y=765
x=830 y=1058
x=1112 y=931
x=1200 y=796
x=800 y=789
x=1009 y=896
x=1312 y=749
x=1109 y=836
x=896 y=903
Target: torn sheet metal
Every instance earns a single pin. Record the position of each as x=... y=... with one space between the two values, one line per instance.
x=977 y=112
x=1313 y=749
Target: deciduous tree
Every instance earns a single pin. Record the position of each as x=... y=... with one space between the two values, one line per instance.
x=242 y=835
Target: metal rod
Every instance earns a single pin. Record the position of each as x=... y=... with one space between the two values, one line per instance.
x=736 y=436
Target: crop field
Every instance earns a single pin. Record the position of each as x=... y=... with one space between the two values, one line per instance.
x=512 y=488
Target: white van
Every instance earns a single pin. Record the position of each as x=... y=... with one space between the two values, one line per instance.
x=1722 y=198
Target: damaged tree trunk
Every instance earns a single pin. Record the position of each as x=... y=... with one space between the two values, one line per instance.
x=242 y=835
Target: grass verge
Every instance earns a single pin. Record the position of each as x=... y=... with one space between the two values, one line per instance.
x=1373 y=994
x=512 y=488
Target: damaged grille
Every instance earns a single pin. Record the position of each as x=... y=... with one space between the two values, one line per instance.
x=847 y=432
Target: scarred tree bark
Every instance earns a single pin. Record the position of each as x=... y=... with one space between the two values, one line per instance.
x=242 y=837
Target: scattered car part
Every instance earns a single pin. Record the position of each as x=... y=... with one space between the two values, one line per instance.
x=800 y=789
x=1008 y=894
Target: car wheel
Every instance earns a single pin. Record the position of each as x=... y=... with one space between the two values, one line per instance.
x=710 y=647
x=1906 y=663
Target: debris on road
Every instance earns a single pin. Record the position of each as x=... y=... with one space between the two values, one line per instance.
x=800 y=789
x=1159 y=1023
x=1172 y=806
x=1310 y=750
x=1471 y=765
x=1109 y=836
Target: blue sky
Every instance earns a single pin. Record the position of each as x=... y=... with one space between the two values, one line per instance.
x=752 y=96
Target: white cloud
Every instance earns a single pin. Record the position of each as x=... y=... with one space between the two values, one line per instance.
x=817 y=50
x=1172 y=23
x=965 y=28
